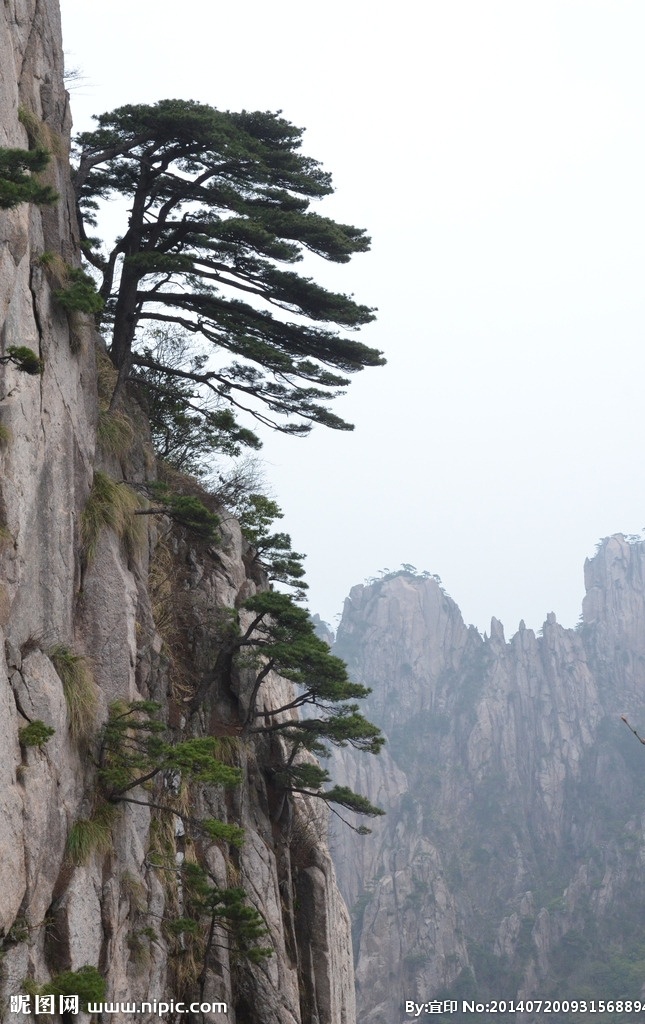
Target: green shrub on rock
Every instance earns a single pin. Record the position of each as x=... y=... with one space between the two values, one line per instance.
x=35 y=734
x=17 y=184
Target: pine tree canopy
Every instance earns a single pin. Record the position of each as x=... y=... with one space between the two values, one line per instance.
x=284 y=634
x=219 y=213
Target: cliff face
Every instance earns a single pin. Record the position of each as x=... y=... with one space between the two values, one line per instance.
x=144 y=618
x=511 y=860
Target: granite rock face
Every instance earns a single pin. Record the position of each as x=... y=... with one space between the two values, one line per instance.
x=510 y=864
x=144 y=620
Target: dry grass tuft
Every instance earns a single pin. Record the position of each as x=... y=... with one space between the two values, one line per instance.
x=229 y=749
x=114 y=433
x=305 y=837
x=56 y=267
x=107 y=375
x=39 y=133
x=79 y=688
x=233 y=875
x=6 y=540
x=112 y=505
x=139 y=946
x=166 y=598
x=162 y=852
x=91 y=835
x=135 y=892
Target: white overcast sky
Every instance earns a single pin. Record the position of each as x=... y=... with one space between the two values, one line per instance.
x=495 y=150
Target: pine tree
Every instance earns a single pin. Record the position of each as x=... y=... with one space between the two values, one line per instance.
x=281 y=635
x=219 y=213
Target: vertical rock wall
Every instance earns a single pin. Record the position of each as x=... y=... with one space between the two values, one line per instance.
x=46 y=470
x=57 y=912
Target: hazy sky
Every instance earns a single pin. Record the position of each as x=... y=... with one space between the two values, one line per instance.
x=496 y=152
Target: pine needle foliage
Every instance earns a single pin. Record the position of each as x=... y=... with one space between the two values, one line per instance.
x=280 y=637
x=309 y=778
x=79 y=294
x=222 y=831
x=87 y=983
x=285 y=636
x=24 y=358
x=186 y=510
x=135 y=750
x=227 y=909
x=256 y=514
x=17 y=182
x=218 y=214
x=75 y=290
x=35 y=734
x=188 y=428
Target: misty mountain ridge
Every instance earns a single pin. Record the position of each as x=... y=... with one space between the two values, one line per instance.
x=510 y=863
